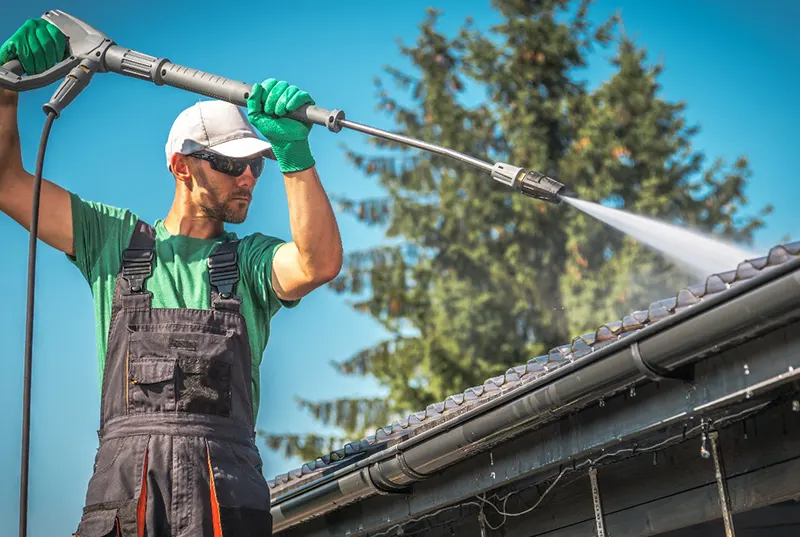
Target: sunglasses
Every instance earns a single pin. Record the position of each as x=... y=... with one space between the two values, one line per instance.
x=231 y=166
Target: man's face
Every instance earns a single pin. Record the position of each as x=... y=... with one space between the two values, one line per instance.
x=222 y=196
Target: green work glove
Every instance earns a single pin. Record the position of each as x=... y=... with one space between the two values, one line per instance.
x=37 y=44
x=269 y=101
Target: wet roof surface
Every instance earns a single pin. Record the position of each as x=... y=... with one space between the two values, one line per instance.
x=535 y=368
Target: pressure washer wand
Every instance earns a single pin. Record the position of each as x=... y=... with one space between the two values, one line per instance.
x=163 y=72
x=91 y=52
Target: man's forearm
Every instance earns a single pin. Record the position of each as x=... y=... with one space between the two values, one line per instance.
x=10 y=151
x=314 y=228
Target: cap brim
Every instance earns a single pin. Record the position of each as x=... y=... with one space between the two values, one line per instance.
x=243 y=147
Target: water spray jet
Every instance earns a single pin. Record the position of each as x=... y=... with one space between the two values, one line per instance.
x=696 y=253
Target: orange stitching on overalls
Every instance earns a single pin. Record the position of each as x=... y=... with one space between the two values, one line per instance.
x=141 y=508
x=215 y=517
x=127 y=381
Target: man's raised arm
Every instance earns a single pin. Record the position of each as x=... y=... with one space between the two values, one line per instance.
x=16 y=184
x=314 y=256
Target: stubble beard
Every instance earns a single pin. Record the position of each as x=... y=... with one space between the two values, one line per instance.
x=218 y=208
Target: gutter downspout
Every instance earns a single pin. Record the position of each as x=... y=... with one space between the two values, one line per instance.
x=765 y=300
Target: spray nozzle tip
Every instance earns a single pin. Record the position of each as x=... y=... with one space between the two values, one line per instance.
x=540 y=186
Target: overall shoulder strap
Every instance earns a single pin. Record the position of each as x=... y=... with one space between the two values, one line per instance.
x=137 y=258
x=223 y=274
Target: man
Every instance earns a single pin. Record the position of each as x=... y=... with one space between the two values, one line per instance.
x=183 y=306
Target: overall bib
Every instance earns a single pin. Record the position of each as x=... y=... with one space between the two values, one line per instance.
x=177 y=454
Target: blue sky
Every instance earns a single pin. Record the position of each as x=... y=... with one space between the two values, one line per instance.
x=736 y=67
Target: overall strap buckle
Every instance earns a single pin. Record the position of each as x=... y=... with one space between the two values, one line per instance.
x=223 y=270
x=137 y=266
x=137 y=258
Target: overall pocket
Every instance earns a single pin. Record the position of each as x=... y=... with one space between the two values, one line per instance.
x=204 y=386
x=179 y=371
x=151 y=385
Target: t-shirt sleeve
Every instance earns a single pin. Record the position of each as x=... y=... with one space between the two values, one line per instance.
x=100 y=232
x=257 y=255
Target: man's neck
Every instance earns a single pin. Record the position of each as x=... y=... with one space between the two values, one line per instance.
x=191 y=225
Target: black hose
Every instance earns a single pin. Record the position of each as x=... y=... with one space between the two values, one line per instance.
x=26 y=406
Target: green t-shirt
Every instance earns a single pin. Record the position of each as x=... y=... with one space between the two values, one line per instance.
x=180 y=273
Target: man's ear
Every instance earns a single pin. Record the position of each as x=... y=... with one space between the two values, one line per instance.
x=181 y=169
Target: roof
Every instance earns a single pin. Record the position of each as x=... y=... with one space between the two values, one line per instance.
x=536 y=368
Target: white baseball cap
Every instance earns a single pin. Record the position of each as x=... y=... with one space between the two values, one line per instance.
x=219 y=126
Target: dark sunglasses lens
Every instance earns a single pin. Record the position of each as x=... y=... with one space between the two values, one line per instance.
x=257 y=166
x=233 y=166
x=236 y=167
x=222 y=164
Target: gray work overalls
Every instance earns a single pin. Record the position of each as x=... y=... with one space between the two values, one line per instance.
x=177 y=454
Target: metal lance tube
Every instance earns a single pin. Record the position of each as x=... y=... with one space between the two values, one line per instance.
x=163 y=72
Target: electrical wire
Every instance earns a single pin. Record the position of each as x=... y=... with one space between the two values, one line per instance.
x=26 y=407
x=744 y=414
x=618 y=453
x=526 y=511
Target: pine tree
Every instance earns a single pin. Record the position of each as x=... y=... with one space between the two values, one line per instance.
x=479 y=278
